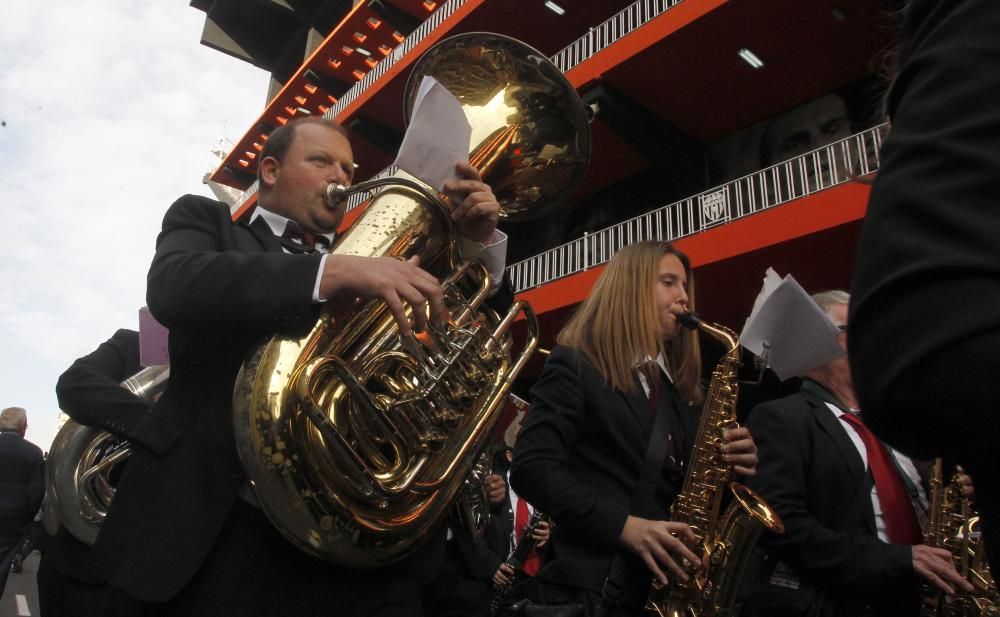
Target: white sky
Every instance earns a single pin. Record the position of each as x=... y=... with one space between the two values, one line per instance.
x=110 y=110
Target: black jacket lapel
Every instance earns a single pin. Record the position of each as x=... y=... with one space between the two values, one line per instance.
x=263 y=234
x=837 y=433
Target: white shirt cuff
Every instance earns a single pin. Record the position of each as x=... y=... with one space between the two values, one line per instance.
x=493 y=255
x=319 y=276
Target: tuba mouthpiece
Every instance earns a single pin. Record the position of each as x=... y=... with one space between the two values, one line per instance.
x=334 y=194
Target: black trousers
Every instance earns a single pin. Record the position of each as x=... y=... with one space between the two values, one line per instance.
x=254 y=571
x=7 y=552
x=60 y=595
x=454 y=591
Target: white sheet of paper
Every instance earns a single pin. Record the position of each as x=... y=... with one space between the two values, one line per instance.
x=437 y=138
x=798 y=335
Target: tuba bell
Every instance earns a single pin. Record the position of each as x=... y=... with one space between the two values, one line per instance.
x=356 y=440
x=82 y=463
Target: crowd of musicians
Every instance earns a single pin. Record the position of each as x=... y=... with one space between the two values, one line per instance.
x=612 y=433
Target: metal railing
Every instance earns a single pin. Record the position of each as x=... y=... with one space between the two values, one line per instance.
x=803 y=175
x=614 y=28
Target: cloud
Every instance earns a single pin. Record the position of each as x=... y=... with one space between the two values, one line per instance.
x=110 y=111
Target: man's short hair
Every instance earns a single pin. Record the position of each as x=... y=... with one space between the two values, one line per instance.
x=281 y=138
x=826 y=299
x=13 y=418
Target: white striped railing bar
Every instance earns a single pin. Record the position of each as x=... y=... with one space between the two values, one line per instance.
x=814 y=171
x=614 y=28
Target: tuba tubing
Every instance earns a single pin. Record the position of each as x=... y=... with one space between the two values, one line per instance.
x=356 y=440
x=78 y=486
x=338 y=465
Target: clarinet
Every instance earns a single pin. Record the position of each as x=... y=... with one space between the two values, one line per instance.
x=516 y=557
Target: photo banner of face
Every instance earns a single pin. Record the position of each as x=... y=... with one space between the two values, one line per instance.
x=816 y=123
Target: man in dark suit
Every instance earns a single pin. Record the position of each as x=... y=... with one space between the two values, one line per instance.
x=90 y=392
x=925 y=324
x=851 y=545
x=22 y=485
x=184 y=534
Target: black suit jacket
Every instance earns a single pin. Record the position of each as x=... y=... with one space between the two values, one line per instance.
x=219 y=287
x=925 y=313
x=810 y=472
x=22 y=484
x=89 y=391
x=578 y=458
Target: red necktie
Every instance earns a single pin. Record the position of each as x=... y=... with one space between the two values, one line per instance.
x=521 y=516
x=900 y=519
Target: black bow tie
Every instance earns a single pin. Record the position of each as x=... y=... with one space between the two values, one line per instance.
x=296 y=240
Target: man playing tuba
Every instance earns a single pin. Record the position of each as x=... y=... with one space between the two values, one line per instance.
x=185 y=535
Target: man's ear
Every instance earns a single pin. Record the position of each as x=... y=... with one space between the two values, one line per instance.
x=270 y=167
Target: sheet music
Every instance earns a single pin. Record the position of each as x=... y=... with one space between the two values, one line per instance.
x=153 y=338
x=438 y=136
x=785 y=321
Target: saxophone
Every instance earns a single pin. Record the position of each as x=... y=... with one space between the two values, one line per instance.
x=725 y=541
x=953 y=525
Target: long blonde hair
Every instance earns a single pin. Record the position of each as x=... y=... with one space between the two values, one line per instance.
x=618 y=325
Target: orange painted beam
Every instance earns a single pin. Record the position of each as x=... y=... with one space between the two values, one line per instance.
x=640 y=39
x=403 y=63
x=830 y=208
x=247 y=205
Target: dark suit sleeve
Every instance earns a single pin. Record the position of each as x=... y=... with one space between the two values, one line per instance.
x=837 y=558
x=540 y=472
x=925 y=316
x=202 y=279
x=36 y=484
x=90 y=392
x=502 y=300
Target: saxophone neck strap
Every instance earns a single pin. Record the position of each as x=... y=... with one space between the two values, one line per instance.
x=656 y=452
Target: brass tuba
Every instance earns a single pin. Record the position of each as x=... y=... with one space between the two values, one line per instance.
x=724 y=539
x=355 y=439
x=78 y=483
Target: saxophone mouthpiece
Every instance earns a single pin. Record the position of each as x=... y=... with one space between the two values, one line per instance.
x=689 y=320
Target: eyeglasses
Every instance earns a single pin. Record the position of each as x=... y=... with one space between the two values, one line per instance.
x=842 y=327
